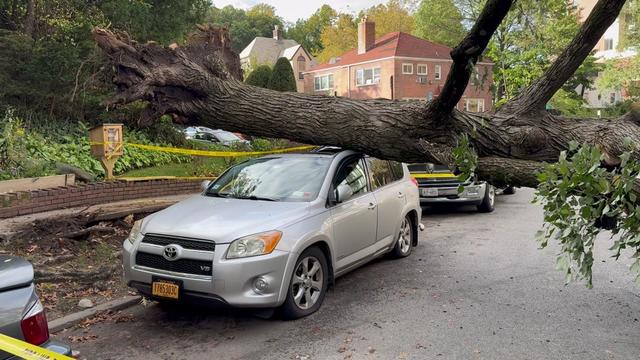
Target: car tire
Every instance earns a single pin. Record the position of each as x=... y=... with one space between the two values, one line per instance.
x=509 y=190
x=306 y=289
x=404 y=243
x=488 y=201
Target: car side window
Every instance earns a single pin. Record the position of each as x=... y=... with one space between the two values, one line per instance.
x=352 y=174
x=380 y=172
x=397 y=170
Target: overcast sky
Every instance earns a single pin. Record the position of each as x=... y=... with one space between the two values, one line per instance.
x=292 y=10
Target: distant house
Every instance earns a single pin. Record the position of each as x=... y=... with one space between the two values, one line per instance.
x=396 y=66
x=607 y=49
x=267 y=51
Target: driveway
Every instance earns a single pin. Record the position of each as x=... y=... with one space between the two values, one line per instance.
x=476 y=287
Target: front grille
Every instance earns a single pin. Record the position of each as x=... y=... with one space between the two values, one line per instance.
x=186 y=266
x=190 y=244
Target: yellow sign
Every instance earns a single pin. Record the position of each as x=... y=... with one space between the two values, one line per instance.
x=28 y=351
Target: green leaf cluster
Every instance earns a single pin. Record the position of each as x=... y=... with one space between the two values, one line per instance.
x=465 y=158
x=581 y=199
x=31 y=151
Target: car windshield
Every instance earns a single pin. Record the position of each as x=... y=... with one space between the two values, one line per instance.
x=273 y=179
x=226 y=136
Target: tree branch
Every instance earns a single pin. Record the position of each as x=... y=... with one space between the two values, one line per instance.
x=467 y=54
x=536 y=96
x=193 y=83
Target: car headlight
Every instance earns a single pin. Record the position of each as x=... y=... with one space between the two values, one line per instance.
x=472 y=190
x=136 y=231
x=253 y=245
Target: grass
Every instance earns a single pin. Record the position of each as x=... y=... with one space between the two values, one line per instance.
x=197 y=167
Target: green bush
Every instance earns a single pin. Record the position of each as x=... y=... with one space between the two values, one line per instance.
x=259 y=76
x=33 y=152
x=282 y=78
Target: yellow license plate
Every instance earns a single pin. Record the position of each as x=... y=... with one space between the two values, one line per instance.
x=165 y=289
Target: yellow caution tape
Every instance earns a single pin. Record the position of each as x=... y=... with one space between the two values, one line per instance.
x=433 y=176
x=213 y=153
x=28 y=351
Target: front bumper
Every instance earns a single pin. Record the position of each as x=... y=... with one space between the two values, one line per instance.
x=472 y=195
x=231 y=282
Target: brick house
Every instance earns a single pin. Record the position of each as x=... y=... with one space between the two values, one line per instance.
x=396 y=66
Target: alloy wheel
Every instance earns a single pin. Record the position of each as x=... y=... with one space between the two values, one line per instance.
x=404 y=240
x=307 y=282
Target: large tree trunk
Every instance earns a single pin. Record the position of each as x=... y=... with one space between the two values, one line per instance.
x=30 y=18
x=199 y=82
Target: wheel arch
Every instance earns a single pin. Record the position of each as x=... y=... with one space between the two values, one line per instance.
x=326 y=250
x=413 y=214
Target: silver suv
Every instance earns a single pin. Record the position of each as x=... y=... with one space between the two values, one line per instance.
x=276 y=231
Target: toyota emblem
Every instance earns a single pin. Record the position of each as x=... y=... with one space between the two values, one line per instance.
x=170 y=252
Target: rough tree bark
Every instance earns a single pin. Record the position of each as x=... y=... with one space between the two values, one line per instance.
x=199 y=82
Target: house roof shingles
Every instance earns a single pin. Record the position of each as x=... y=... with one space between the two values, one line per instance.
x=268 y=50
x=392 y=44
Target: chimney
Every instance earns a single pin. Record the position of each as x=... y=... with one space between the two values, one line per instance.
x=277 y=33
x=366 y=35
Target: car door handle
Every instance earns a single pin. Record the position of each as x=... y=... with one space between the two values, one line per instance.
x=372 y=206
x=400 y=194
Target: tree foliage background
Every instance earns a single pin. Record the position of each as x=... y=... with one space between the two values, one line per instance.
x=50 y=68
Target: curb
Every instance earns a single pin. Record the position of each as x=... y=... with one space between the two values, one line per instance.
x=72 y=319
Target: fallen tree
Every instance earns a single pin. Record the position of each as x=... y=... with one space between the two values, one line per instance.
x=200 y=83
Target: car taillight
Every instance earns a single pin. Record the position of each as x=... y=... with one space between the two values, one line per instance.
x=34 y=325
x=414 y=181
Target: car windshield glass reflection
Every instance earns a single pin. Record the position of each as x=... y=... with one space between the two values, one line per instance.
x=273 y=179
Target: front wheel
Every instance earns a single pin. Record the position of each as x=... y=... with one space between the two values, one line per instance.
x=404 y=244
x=488 y=201
x=308 y=285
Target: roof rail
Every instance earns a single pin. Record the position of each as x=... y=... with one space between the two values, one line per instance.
x=327 y=149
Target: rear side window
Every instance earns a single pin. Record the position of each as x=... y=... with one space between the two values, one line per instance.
x=380 y=172
x=396 y=168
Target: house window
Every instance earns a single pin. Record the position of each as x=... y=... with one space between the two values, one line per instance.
x=438 y=72
x=608 y=44
x=302 y=66
x=422 y=69
x=324 y=82
x=407 y=68
x=367 y=76
x=474 y=105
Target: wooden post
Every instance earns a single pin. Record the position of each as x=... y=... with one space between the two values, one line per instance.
x=107 y=145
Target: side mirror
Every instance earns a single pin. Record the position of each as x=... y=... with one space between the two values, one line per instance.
x=205 y=185
x=343 y=193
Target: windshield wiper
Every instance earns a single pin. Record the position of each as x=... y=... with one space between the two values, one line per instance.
x=217 y=194
x=253 y=197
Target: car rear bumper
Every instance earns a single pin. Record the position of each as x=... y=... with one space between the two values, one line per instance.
x=232 y=282
x=471 y=195
x=54 y=346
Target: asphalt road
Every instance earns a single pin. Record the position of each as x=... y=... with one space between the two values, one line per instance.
x=476 y=287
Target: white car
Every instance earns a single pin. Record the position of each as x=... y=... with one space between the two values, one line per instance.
x=276 y=231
